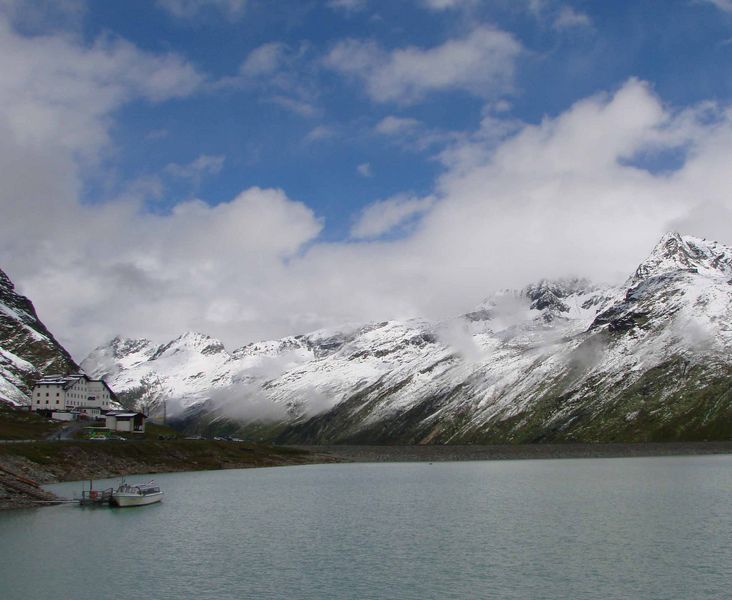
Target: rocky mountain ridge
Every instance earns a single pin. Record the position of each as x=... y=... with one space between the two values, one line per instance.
x=27 y=349
x=557 y=361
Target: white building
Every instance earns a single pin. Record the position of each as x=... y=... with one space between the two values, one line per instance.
x=120 y=420
x=77 y=393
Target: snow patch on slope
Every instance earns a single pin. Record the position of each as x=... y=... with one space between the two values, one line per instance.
x=488 y=368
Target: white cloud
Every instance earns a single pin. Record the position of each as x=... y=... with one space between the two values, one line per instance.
x=536 y=7
x=280 y=74
x=190 y=9
x=195 y=170
x=568 y=18
x=264 y=60
x=301 y=106
x=44 y=15
x=559 y=198
x=481 y=63
x=320 y=132
x=157 y=134
x=143 y=188
x=148 y=274
x=568 y=195
x=556 y=14
x=501 y=106
x=53 y=89
x=725 y=5
x=384 y=216
x=447 y=4
x=412 y=135
x=348 y=5
x=465 y=151
x=364 y=169
x=392 y=125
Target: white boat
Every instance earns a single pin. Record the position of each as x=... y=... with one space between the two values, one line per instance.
x=136 y=494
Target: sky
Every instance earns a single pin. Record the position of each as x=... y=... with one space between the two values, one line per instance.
x=252 y=169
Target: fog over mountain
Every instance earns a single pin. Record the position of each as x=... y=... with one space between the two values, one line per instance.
x=547 y=201
x=558 y=360
x=133 y=206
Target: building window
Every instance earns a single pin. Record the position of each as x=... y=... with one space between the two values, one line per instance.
x=56 y=401
x=46 y=394
x=57 y=394
x=38 y=401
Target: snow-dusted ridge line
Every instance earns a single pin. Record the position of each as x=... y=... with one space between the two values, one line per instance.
x=557 y=358
x=27 y=348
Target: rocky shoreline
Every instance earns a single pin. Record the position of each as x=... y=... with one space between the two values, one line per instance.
x=17 y=490
x=436 y=453
x=25 y=467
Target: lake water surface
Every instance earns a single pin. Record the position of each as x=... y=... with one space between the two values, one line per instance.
x=592 y=528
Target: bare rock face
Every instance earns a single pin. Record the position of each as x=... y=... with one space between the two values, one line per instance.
x=27 y=349
x=566 y=360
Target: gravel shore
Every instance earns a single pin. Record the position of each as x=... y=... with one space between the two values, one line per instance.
x=25 y=467
x=515 y=452
x=17 y=489
x=20 y=477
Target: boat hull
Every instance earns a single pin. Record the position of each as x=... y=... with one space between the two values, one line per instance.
x=124 y=500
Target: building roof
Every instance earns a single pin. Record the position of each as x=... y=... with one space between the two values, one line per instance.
x=121 y=414
x=53 y=380
x=65 y=380
x=69 y=380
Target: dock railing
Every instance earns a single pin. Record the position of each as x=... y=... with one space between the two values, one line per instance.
x=96 y=497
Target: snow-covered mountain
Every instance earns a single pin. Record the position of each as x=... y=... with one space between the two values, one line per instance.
x=558 y=360
x=190 y=369
x=27 y=348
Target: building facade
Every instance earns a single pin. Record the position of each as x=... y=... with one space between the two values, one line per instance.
x=77 y=393
x=128 y=421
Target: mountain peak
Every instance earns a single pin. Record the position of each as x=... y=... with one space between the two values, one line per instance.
x=676 y=252
x=193 y=337
x=550 y=293
x=5 y=281
x=122 y=346
x=27 y=348
x=201 y=342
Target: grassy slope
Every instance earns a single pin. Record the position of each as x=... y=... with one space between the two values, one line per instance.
x=23 y=425
x=673 y=402
x=81 y=459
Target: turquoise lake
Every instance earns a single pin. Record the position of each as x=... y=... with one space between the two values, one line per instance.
x=590 y=528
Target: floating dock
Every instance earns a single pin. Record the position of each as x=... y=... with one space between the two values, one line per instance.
x=92 y=497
